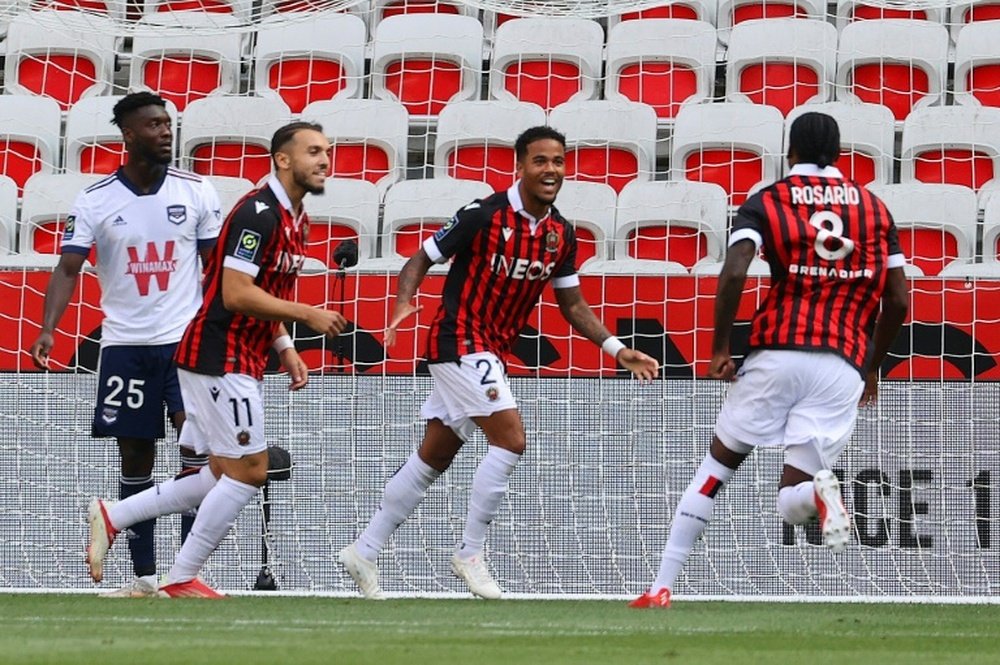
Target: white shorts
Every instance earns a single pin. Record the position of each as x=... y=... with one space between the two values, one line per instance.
x=806 y=401
x=474 y=387
x=225 y=414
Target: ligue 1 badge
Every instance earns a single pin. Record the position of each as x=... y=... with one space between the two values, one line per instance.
x=552 y=242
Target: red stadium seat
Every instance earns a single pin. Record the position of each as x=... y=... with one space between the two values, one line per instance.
x=475 y=140
x=734 y=12
x=315 y=60
x=29 y=136
x=231 y=136
x=181 y=64
x=781 y=63
x=662 y=63
x=67 y=64
x=736 y=146
x=547 y=61
x=899 y=64
x=957 y=145
x=425 y=61
x=977 y=65
x=368 y=138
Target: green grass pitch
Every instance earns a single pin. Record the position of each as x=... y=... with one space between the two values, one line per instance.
x=80 y=629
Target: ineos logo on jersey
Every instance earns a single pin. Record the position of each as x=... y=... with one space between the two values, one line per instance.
x=153 y=265
x=831 y=243
x=521 y=268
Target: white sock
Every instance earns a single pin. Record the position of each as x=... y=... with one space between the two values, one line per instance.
x=692 y=516
x=172 y=496
x=401 y=495
x=797 y=503
x=216 y=517
x=489 y=485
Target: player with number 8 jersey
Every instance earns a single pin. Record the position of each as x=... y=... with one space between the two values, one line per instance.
x=816 y=342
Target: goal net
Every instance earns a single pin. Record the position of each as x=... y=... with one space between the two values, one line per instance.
x=674 y=113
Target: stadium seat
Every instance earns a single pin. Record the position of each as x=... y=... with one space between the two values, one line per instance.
x=346 y=210
x=849 y=11
x=737 y=146
x=547 y=61
x=8 y=215
x=383 y=9
x=683 y=222
x=690 y=10
x=965 y=12
x=231 y=136
x=781 y=62
x=590 y=206
x=171 y=57
x=867 y=139
x=307 y=61
x=230 y=191
x=242 y=10
x=957 y=145
x=991 y=231
x=425 y=61
x=48 y=200
x=936 y=223
x=114 y=9
x=475 y=140
x=29 y=136
x=612 y=142
x=65 y=55
x=368 y=138
x=733 y=12
x=415 y=209
x=93 y=143
x=292 y=7
x=897 y=63
x=663 y=63
x=977 y=65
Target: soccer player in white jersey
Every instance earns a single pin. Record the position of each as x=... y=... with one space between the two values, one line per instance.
x=149 y=222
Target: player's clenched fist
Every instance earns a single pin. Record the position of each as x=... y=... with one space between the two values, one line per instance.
x=40 y=350
x=326 y=321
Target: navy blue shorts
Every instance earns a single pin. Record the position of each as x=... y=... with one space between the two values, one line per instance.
x=134 y=385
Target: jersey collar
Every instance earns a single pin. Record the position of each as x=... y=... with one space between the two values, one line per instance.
x=282 y=196
x=131 y=186
x=815 y=171
x=517 y=205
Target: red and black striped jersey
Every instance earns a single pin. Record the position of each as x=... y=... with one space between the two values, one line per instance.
x=261 y=238
x=501 y=261
x=829 y=243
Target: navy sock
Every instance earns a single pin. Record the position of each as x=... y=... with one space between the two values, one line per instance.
x=141 y=547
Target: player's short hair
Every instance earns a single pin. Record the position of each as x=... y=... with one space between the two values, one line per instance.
x=285 y=134
x=533 y=134
x=815 y=139
x=132 y=102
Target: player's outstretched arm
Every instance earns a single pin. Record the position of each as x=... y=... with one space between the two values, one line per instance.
x=727 y=301
x=240 y=294
x=410 y=278
x=895 y=305
x=579 y=315
x=62 y=284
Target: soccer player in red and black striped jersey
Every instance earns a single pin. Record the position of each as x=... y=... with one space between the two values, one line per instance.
x=248 y=289
x=504 y=250
x=816 y=342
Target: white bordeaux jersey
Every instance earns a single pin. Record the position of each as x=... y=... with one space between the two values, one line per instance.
x=147 y=252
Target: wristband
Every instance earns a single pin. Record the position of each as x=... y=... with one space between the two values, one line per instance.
x=612 y=346
x=282 y=343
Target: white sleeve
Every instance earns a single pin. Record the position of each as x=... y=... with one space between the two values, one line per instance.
x=210 y=215
x=79 y=229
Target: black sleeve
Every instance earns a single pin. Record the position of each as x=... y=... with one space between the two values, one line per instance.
x=458 y=233
x=751 y=216
x=247 y=233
